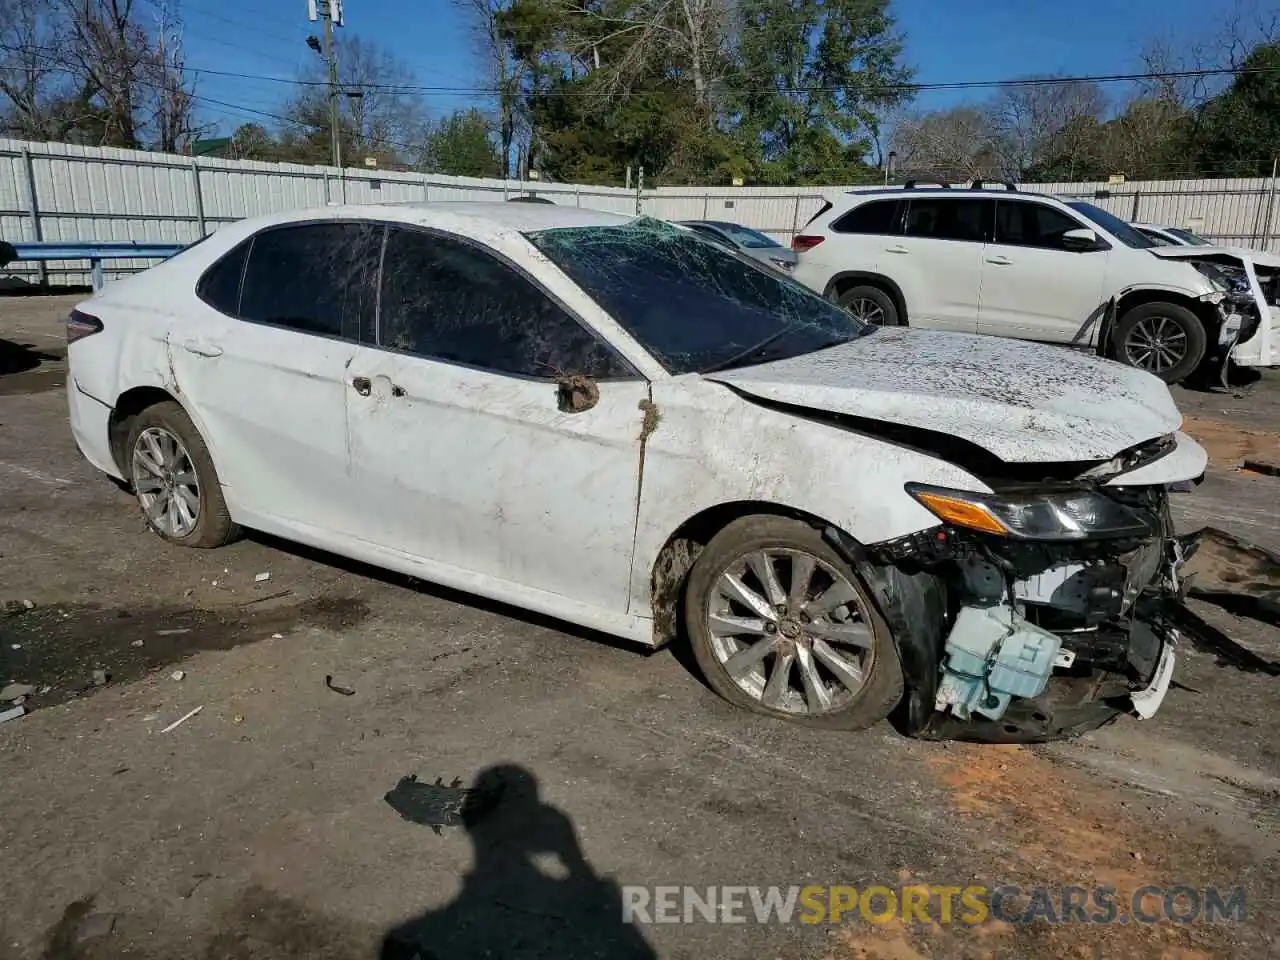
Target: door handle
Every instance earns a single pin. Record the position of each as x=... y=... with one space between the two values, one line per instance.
x=896 y=249
x=202 y=348
x=1000 y=261
x=362 y=385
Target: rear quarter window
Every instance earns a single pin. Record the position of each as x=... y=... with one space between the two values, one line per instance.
x=220 y=285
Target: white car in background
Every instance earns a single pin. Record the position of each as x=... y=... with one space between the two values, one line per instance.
x=1171 y=236
x=1012 y=264
x=618 y=423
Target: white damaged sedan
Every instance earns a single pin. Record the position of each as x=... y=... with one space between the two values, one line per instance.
x=615 y=422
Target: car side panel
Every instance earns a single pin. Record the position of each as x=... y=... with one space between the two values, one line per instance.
x=711 y=447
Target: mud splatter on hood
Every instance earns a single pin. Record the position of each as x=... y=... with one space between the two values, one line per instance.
x=1023 y=402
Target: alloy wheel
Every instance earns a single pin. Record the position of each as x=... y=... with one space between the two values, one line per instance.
x=1156 y=344
x=866 y=311
x=165 y=480
x=791 y=631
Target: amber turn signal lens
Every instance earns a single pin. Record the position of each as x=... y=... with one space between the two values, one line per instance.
x=961 y=513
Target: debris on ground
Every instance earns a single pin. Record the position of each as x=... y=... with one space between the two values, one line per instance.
x=262 y=578
x=182 y=719
x=12 y=608
x=12 y=714
x=345 y=691
x=173 y=632
x=12 y=691
x=136 y=643
x=178 y=675
x=100 y=678
x=440 y=804
x=277 y=636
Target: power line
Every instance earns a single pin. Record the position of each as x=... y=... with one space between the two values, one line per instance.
x=1008 y=83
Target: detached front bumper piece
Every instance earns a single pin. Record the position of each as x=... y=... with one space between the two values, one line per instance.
x=1041 y=642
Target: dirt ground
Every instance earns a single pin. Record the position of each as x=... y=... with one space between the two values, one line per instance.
x=260 y=827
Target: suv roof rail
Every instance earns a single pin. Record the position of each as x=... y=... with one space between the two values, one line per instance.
x=982 y=185
x=940 y=181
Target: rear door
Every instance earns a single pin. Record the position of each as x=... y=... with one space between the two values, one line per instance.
x=1033 y=287
x=938 y=261
x=491 y=430
x=265 y=367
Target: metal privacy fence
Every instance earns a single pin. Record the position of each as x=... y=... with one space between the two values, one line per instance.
x=52 y=191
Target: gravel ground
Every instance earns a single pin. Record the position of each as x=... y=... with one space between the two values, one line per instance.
x=260 y=826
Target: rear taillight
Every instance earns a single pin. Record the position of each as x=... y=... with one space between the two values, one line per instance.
x=81 y=325
x=802 y=242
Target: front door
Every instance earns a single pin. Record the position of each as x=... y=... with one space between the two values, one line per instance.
x=491 y=431
x=264 y=363
x=1033 y=287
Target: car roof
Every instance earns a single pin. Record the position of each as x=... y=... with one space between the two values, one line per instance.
x=952 y=192
x=480 y=219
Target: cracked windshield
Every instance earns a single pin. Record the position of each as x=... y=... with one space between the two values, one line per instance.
x=693 y=305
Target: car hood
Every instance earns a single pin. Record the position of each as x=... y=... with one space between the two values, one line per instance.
x=1231 y=256
x=1022 y=402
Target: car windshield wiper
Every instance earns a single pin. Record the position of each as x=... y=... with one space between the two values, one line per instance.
x=744 y=354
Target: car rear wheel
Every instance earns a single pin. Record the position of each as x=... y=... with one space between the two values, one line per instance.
x=871 y=305
x=1165 y=339
x=781 y=625
x=174 y=480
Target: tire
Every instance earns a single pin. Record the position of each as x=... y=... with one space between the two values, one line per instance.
x=148 y=445
x=1169 y=327
x=848 y=708
x=874 y=299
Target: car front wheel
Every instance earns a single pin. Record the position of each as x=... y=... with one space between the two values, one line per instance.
x=1165 y=339
x=173 y=477
x=781 y=625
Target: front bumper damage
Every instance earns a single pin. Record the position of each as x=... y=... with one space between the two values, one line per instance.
x=1022 y=642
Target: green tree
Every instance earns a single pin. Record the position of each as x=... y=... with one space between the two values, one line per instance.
x=462 y=145
x=1240 y=129
x=251 y=141
x=813 y=78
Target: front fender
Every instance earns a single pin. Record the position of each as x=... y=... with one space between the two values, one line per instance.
x=712 y=448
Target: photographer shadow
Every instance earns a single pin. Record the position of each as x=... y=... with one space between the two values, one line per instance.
x=509 y=905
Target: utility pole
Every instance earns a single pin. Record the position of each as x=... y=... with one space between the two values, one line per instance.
x=331 y=12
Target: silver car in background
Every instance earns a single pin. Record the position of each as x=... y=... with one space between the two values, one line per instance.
x=753 y=243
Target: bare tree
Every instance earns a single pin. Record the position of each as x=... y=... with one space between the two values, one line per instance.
x=958 y=144
x=381 y=114
x=1221 y=46
x=1029 y=120
x=34 y=74
x=505 y=72
x=623 y=45
x=172 y=113
x=111 y=51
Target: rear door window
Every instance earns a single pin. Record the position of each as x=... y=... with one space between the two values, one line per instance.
x=318 y=278
x=945 y=218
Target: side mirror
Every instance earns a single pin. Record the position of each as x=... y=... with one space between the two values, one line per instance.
x=576 y=394
x=1080 y=239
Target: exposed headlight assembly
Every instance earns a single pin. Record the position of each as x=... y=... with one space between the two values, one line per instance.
x=1066 y=515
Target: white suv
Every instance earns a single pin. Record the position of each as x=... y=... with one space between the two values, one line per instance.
x=1012 y=264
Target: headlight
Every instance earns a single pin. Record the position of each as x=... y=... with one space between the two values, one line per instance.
x=1065 y=515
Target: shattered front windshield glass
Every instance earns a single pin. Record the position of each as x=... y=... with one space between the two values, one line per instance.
x=694 y=305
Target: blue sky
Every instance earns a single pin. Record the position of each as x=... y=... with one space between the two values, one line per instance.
x=946 y=40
